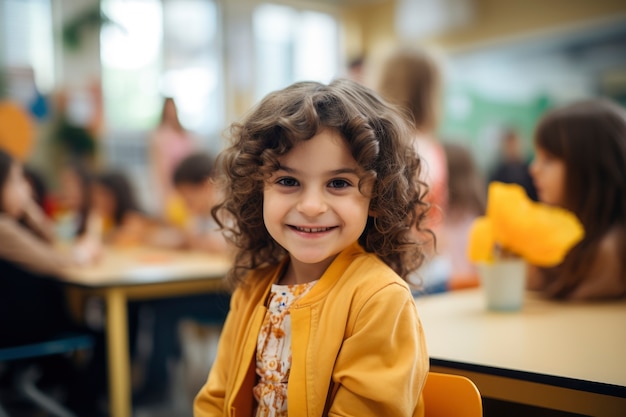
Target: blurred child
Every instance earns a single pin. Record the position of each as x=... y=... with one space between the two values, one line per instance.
x=34 y=309
x=73 y=200
x=512 y=166
x=321 y=187
x=26 y=232
x=466 y=201
x=114 y=204
x=412 y=79
x=193 y=179
x=39 y=189
x=580 y=165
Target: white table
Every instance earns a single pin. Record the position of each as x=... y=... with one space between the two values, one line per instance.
x=559 y=355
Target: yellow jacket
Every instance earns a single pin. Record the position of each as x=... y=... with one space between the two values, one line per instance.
x=356 y=339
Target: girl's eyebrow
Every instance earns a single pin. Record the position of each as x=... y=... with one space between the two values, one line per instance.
x=333 y=172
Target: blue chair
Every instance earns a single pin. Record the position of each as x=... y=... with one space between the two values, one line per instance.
x=26 y=376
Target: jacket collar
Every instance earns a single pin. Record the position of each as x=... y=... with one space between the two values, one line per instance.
x=332 y=275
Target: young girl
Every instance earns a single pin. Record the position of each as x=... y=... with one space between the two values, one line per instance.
x=580 y=165
x=321 y=186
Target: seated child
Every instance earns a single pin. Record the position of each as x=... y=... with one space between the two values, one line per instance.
x=580 y=165
x=193 y=179
x=114 y=209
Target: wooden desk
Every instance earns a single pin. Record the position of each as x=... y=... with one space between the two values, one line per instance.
x=565 y=356
x=140 y=273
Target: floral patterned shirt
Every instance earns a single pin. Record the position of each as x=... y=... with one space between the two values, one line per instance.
x=273 y=353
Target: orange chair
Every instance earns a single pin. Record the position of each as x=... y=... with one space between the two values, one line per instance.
x=447 y=395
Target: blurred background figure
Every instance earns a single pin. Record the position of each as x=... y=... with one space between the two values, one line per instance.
x=114 y=204
x=356 y=69
x=194 y=181
x=411 y=78
x=35 y=309
x=72 y=202
x=513 y=166
x=580 y=165
x=39 y=187
x=466 y=201
x=168 y=144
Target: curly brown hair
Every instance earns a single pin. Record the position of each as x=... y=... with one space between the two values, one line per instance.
x=380 y=140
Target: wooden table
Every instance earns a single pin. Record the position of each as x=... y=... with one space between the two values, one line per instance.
x=558 y=355
x=141 y=273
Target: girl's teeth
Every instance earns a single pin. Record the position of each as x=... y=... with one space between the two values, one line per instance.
x=313 y=230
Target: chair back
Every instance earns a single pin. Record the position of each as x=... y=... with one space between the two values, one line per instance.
x=447 y=395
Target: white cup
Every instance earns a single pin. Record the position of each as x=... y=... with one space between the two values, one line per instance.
x=504 y=283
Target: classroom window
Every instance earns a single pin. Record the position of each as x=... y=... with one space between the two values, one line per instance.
x=131 y=63
x=26 y=49
x=293 y=45
x=160 y=48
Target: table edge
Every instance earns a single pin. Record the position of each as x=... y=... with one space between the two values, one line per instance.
x=559 y=381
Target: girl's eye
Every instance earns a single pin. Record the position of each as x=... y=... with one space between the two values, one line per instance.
x=339 y=184
x=287 y=182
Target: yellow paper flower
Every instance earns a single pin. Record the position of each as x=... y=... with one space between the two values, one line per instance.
x=481 y=240
x=540 y=234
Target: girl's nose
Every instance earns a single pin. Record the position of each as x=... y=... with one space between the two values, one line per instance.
x=312 y=203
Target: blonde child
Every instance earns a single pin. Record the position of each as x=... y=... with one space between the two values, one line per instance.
x=580 y=165
x=321 y=188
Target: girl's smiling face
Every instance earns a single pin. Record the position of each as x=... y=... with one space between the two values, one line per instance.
x=312 y=205
x=548 y=174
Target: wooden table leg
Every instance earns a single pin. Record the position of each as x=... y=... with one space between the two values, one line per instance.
x=118 y=353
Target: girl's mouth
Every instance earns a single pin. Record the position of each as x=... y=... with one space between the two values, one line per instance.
x=311 y=229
